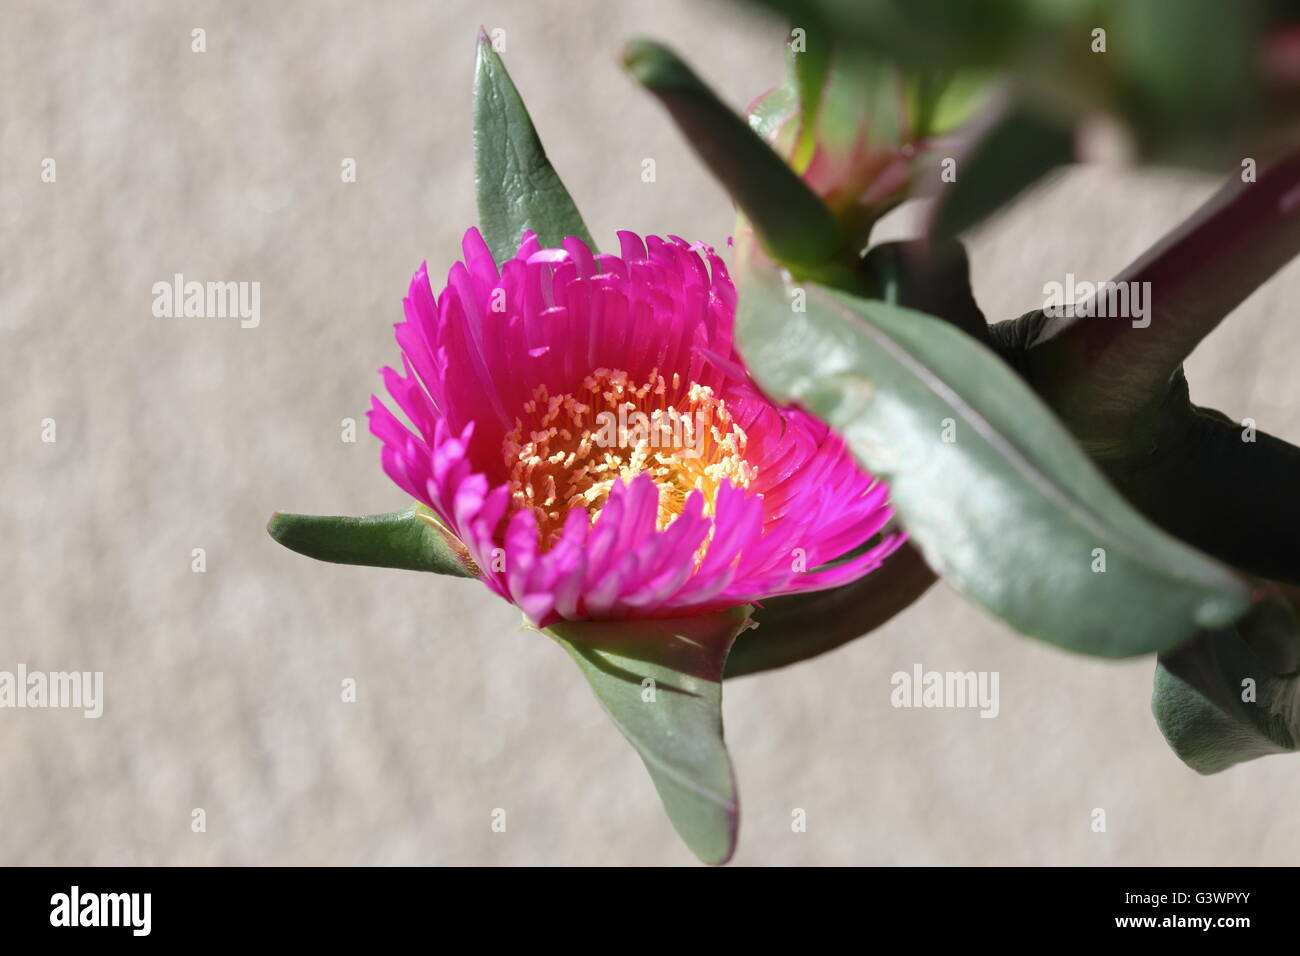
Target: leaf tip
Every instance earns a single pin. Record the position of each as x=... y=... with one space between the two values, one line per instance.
x=275 y=526
x=721 y=854
x=653 y=65
x=484 y=54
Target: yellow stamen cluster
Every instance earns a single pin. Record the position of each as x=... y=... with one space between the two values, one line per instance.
x=568 y=450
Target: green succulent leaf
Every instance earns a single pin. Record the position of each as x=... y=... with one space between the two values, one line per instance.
x=1119 y=386
x=796 y=627
x=1110 y=380
x=1014 y=149
x=793 y=223
x=1202 y=462
x=660 y=681
x=810 y=69
x=517 y=187
x=772 y=113
x=998 y=496
x=1233 y=694
x=930 y=277
x=411 y=539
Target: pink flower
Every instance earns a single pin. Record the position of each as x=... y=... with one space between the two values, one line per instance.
x=585 y=425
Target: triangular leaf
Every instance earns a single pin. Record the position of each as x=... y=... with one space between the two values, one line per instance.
x=660 y=681
x=517 y=187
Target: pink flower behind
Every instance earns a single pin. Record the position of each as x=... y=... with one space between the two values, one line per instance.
x=586 y=427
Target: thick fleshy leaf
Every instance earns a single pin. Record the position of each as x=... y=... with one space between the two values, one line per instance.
x=1201 y=463
x=864 y=142
x=517 y=187
x=1100 y=374
x=808 y=70
x=794 y=224
x=411 y=539
x=660 y=681
x=775 y=112
x=852 y=126
x=1000 y=499
x=929 y=277
x=796 y=627
x=1010 y=151
x=1118 y=385
x=849 y=128
x=1233 y=694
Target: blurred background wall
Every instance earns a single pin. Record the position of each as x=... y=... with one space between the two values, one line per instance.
x=223 y=688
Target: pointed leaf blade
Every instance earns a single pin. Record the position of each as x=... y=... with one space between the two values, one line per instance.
x=411 y=539
x=1015 y=149
x=675 y=724
x=1100 y=375
x=1009 y=510
x=795 y=225
x=517 y=187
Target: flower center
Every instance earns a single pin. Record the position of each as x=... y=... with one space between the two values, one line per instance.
x=568 y=450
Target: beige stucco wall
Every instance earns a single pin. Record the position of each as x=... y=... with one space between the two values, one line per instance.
x=222 y=688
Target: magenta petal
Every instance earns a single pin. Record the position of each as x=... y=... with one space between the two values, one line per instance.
x=474 y=356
